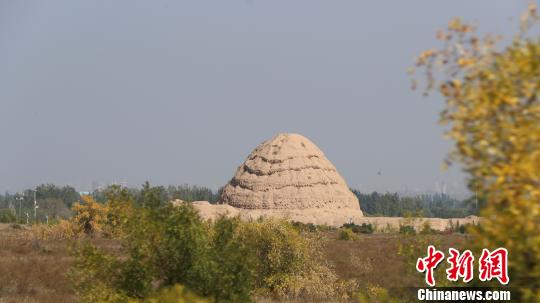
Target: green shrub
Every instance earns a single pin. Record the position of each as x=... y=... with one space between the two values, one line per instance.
x=225 y=261
x=347 y=234
x=407 y=230
x=7 y=215
x=289 y=264
x=233 y=263
x=326 y=228
x=305 y=227
x=174 y=294
x=16 y=226
x=365 y=228
x=93 y=275
x=426 y=229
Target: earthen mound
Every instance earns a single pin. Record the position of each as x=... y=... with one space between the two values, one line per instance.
x=288 y=172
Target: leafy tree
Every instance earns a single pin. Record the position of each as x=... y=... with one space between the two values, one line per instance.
x=120 y=204
x=67 y=194
x=493 y=114
x=392 y=205
x=192 y=193
x=54 y=208
x=90 y=215
x=152 y=197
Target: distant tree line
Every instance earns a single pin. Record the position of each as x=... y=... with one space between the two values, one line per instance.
x=184 y=192
x=55 y=201
x=425 y=205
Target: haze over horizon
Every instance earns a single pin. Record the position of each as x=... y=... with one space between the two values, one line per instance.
x=181 y=92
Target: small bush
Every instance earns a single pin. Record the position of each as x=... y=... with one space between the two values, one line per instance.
x=16 y=226
x=174 y=294
x=305 y=227
x=407 y=230
x=365 y=228
x=464 y=229
x=426 y=229
x=347 y=234
x=7 y=215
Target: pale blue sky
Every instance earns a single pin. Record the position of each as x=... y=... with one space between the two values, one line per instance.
x=181 y=91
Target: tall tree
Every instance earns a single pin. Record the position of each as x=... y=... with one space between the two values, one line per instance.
x=493 y=114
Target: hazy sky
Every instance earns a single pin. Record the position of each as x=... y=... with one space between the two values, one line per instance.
x=181 y=91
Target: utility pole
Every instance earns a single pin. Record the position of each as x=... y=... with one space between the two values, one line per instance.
x=20 y=198
x=35 y=205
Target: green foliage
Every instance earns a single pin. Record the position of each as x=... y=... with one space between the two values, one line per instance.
x=7 y=215
x=365 y=228
x=305 y=227
x=493 y=115
x=54 y=208
x=407 y=230
x=191 y=193
x=227 y=260
x=120 y=203
x=67 y=194
x=95 y=275
x=185 y=192
x=426 y=229
x=174 y=294
x=347 y=234
x=233 y=264
x=431 y=206
x=152 y=197
x=290 y=264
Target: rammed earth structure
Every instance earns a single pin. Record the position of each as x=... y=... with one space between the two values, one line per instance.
x=289 y=172
x=290 y=177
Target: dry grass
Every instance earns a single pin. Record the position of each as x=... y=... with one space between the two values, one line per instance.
x=374 y=259
x=34 y=270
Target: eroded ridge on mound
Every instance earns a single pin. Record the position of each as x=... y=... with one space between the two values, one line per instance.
x=288 y=172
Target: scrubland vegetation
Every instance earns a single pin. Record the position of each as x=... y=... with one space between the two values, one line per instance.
x=142 y=248
x=181 y=255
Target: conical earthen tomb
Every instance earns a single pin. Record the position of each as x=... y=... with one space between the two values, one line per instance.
x=289 y=172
